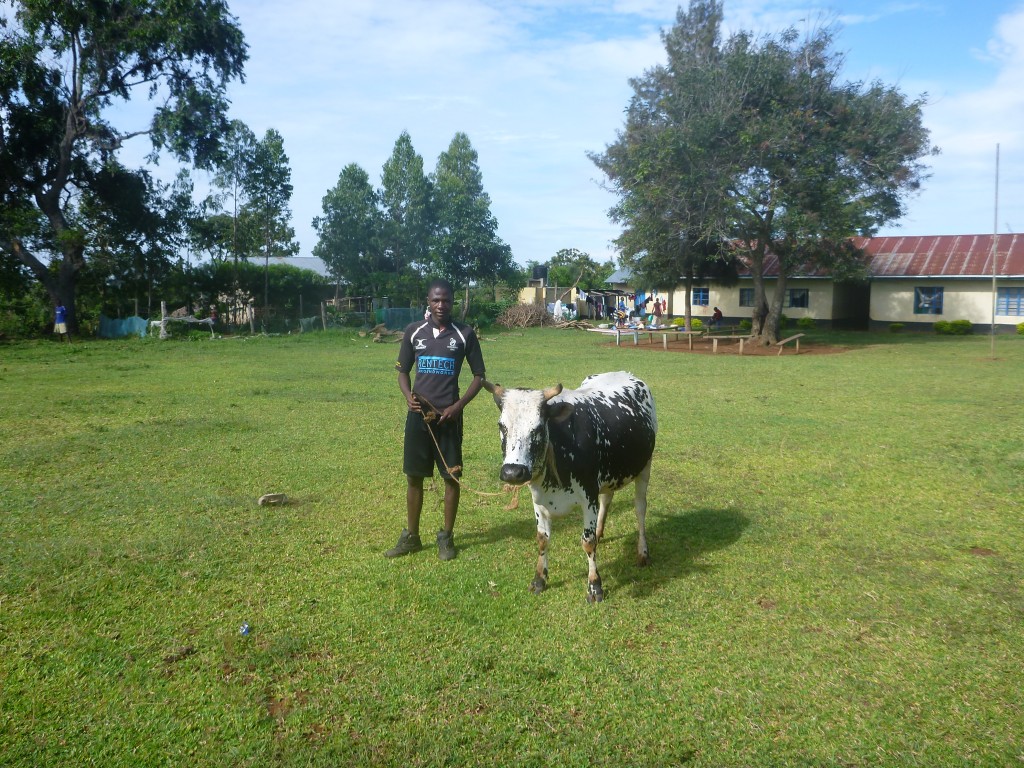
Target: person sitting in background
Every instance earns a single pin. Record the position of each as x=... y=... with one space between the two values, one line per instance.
x=716 y=318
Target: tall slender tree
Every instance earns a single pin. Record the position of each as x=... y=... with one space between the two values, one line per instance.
x=466 y=243
x=66 y=65
x=233 y=168
x=269 y=189
x=405 y=197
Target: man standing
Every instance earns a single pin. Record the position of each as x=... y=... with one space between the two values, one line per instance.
x=60 y=326
x=436 y=348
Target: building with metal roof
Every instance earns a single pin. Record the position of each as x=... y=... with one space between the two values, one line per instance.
x=914 y=281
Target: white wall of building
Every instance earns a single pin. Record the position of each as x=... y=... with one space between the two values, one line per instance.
x=892 y=301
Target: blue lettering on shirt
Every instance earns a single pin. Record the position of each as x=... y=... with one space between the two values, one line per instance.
x=443 y=366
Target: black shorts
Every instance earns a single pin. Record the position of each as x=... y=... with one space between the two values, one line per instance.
x=421 y=454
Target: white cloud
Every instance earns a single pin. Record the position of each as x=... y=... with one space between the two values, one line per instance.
x=967 y=125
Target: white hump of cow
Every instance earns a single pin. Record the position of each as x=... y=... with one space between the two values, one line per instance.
x=601 y=382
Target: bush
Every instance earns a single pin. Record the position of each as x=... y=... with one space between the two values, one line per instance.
x=962 y=327
x=953 y=327
x=1020 y=329
x=486 y=313
x=746 y=325
x=896 y=327
x=805 y=324
x=695 y=323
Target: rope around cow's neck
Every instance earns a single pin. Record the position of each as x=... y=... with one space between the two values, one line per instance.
x=431 y=416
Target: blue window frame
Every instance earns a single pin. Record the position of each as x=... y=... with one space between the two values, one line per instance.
x=927 y=301
x=746 y=297
x=797 y=297
x=1010 y=301
x=699 y=297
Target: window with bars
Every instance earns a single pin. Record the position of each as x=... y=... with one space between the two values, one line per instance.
x=797 y=297
x=927 y=301
x=699 y=297
x=746 y=297
x=1010 y=301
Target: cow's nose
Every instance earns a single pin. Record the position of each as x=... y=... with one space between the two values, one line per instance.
x=515 y=473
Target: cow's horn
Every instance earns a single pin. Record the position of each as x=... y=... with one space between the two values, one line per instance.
x=552 y=392
x=495 y=389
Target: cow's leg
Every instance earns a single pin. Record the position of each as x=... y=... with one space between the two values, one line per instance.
x=540 y=578
x=604 y=502
x=640 y=499
x=594 y=592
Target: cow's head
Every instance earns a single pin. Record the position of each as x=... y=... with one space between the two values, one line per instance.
x=523 y=426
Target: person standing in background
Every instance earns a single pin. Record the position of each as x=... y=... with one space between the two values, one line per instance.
x=60 y=326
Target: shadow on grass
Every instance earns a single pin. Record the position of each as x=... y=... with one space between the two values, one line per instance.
x=676 y=542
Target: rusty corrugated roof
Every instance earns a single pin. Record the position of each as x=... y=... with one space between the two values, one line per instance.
x=943 y=255
x=957 y=256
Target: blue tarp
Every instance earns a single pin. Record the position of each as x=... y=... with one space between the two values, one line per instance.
x=117 y=329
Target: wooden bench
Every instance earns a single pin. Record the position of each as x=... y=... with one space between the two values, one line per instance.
x=618 y=333
x=715 y=338
x=675 y=332
x=723 y=330
x=794 y=338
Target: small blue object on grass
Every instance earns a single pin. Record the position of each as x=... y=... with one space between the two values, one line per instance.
x=244 y=629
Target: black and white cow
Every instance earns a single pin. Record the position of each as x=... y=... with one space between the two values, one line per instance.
x=575 y=448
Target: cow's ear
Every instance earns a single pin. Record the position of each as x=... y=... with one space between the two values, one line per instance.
x=559 y=411
x=497 y=391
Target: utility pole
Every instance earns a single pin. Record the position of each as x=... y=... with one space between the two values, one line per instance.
x=995 y=258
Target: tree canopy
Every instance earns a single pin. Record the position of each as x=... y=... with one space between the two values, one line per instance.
x=466 y=243
x=571 y=266
x=753 y=145
x=384 y=242
x=350 y=232
x=65 y=66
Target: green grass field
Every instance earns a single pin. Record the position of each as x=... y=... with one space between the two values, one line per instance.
x=836 y=540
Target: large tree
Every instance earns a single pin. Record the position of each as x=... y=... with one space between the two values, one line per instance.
x=65 y=68
x=350 y=233
x=466 y=244
x=756 y=142
x=136 y=223
x=673 y=158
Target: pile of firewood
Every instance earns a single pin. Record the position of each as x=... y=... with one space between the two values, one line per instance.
x=525 y=316
x=580 y=325
x=532 y=315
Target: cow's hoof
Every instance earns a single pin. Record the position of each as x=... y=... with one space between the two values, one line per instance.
x=538 y=585
x=643 y=559
x=594 y=592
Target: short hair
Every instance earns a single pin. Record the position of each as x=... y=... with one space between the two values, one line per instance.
x=440 y=282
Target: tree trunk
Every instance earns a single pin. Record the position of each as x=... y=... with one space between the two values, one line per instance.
x=62 y=287
x=688 y=303
x=761 y=328
x=465 y=304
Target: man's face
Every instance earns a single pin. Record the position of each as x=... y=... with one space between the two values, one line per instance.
x=439 y=300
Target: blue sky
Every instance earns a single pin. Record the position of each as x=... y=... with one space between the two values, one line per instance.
x=536 y=84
